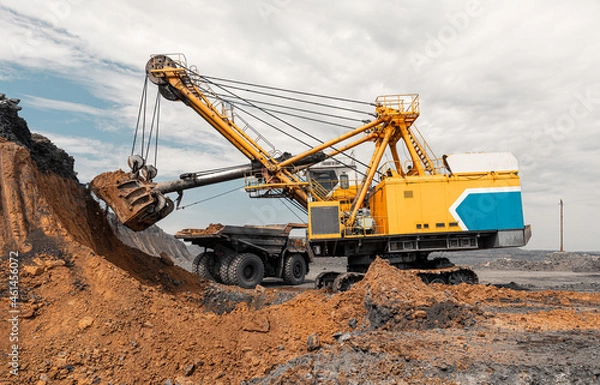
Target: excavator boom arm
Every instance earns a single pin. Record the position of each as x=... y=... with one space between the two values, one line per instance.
x=141 y=202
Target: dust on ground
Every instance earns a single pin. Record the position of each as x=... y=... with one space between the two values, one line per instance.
x=95 y=311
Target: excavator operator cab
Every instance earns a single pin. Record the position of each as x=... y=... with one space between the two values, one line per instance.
x=327 y=178
x=331 y=174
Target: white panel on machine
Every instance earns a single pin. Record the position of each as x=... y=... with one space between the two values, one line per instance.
x=481 y=162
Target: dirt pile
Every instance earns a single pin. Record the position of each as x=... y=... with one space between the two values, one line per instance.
x=97 y=311
x=512 y=337
x=109 y=178
x=49 y=214
x=396 y=299
x=560 y=261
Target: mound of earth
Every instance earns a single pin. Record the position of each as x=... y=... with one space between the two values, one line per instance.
x=399 y=300
x=92 y=310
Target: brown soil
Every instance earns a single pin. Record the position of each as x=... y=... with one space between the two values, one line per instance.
x=213 y=228
x=94 y=311
x=105 y=186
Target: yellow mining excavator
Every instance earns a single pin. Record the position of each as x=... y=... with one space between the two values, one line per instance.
x=402 y=209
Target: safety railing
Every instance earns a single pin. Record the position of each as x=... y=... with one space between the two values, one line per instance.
x=407 y=104
x=388 y=169
x=318 y=191
x=324 y=190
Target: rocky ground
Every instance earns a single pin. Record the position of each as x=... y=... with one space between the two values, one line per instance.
x=565 y=261
x=93 y=310
x=553 y=270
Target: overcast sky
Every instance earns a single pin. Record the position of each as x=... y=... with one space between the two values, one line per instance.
x=492 y=76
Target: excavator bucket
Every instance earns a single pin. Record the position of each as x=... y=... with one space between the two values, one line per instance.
x=133 y=200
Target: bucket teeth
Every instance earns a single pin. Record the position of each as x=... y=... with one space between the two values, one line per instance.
x=133 y=201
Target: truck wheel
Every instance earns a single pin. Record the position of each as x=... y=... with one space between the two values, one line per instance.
x=246 y=270
x=204 y=265
x=294 y=269
x=224 y=268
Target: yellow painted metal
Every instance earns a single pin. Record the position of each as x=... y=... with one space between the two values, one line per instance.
x=402 y=111
x=380 y=147
x=344 y=196
x=262 y=186
x=200 y=103
x=392 y=111
x=420 y=161
x=315 y=206
x=179 y=79
x=332 y=142
x=369 y=137
x=421 y=204
x=397 y=164
x=407 y=105
x=404 y=202
x=423 y=148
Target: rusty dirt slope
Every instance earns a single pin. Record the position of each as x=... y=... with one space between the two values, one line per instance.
x=95 y=311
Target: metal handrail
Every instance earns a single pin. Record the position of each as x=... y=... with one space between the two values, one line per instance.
x=405 y=103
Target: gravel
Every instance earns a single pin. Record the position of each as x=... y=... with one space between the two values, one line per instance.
x=560 y=261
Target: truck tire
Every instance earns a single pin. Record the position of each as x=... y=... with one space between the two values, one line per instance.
x=204 y=265
x=224 y=268
x=246 y=270
x=294 y=269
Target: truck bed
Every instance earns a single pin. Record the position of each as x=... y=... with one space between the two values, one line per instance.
x=271 y=239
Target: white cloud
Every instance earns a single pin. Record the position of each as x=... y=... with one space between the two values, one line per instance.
x=92 y=156
x=505 y=82
x=60 y=105
x=95 y=156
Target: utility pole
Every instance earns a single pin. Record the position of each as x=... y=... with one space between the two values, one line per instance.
x=561 y=204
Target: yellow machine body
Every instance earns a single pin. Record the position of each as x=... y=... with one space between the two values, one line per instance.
x=428 y=204
x=431 y=204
